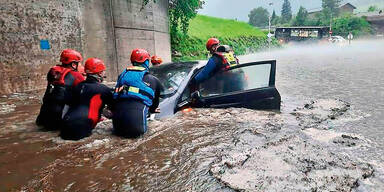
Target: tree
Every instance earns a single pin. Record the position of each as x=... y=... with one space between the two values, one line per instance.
x=258 y=17
x=301 y=17
x=286 y=12
x=273 y=15
x=348 y=23
x=273 y=18
x=180 y=13
x=373 y=8
x=330 y=10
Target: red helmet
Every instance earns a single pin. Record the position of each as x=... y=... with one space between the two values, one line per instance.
x=139 y=56
x=155 y=60
x=211 y=42
x=94 y=65
x=69 y=55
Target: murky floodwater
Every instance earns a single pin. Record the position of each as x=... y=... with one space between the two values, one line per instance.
x=349 y=73
x=328 y=137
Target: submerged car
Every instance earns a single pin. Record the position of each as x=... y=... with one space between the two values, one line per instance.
x=337 y=40
x=249 y=85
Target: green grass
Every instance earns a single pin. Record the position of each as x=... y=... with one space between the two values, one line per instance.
x=241 y=36
x=205 y=27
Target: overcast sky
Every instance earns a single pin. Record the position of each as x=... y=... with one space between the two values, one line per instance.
x=239 y=9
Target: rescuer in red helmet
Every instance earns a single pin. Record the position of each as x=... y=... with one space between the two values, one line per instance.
x=87 y=102
x=155 y=60
x=222 y=59
x=228 y=80
x=136 y=93
x=61 y=79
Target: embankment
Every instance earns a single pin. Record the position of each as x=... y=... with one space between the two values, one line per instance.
x=243 y=37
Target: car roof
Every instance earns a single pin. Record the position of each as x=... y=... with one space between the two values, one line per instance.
x=196 y=64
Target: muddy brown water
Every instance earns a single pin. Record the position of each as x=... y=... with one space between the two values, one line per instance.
x=328 y=137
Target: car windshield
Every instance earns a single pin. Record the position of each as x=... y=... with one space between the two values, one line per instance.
x=171 y=75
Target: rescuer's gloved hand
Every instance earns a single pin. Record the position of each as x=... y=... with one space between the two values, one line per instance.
x=196 y=100
x=107 y=113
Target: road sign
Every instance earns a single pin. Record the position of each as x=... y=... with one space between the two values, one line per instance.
x=269 y=35
x=330 y=32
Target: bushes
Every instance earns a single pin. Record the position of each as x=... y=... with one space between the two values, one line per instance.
x=242 y=37
x=347 y=23
x=185 y=48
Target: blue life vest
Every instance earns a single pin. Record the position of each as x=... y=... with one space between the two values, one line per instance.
x=131 y=85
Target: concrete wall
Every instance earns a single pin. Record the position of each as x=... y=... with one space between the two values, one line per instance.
x=108 y=29
x=147 y=29
x=23 y=23
x=98 y=38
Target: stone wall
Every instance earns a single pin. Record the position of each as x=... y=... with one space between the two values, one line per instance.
x=108 y=29
x=23 y=65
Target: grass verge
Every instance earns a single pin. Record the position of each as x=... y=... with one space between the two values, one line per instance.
x=243 y=37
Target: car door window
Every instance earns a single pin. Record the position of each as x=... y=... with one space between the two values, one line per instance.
x=239 y=79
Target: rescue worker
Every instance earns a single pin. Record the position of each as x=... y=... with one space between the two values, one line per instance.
x=220 y=61
x=87 y=102
x=61 y=79
x=155 y=60
x=136 y=93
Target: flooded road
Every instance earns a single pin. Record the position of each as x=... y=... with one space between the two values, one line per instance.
x=328 y=137
x=349 y=73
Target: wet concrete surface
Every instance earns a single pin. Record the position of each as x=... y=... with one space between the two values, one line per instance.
x=316 y=143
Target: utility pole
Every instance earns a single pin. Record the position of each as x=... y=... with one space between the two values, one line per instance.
x=330 y=27
x=269 y=30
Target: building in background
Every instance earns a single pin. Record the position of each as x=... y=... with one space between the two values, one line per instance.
x=344 y=9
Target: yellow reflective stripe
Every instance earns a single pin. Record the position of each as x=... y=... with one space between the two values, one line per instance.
x=133 y=89
x=136 y=68
x=229 y=57
x=130 y=89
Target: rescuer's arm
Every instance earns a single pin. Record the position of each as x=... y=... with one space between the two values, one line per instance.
x=157 y=87
x=206 y=72
x=107 y=98
x=107 y=95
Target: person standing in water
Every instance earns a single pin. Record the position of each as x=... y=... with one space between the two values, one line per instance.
x=61 y=79
x=87 y=102
x=136 y=93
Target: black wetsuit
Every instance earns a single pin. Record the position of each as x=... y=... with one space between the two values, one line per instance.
x=130 y=115
x=55 y=97
x=87 y=102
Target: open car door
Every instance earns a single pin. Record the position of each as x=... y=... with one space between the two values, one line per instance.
x=249 y=85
